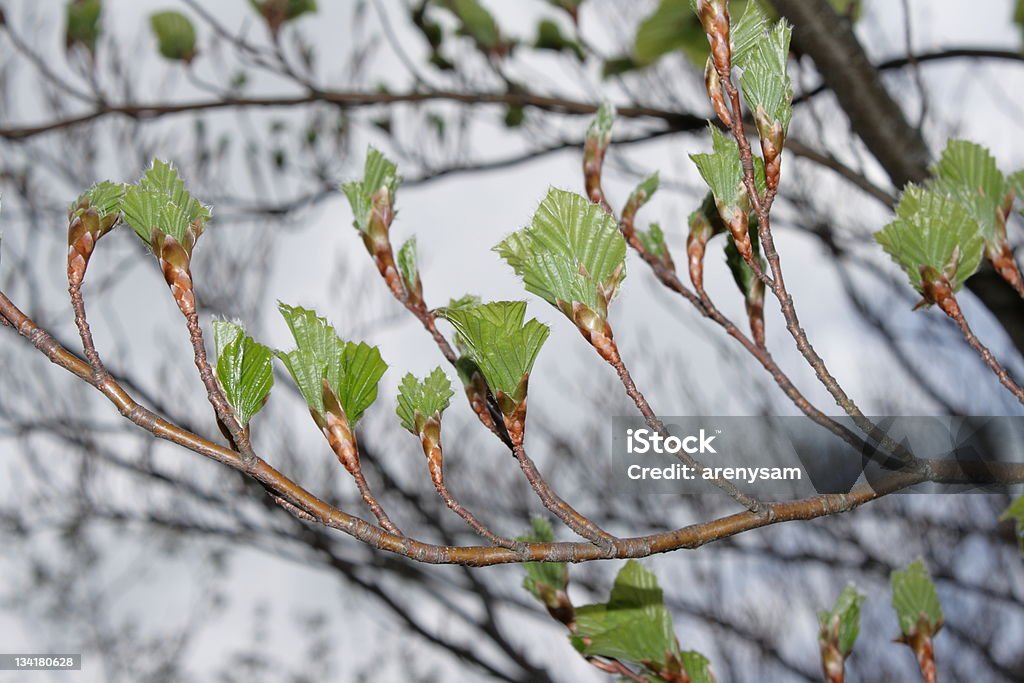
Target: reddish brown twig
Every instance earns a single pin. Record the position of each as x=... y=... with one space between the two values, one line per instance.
x=430 y=439
x=937 y=290
x=342 y=440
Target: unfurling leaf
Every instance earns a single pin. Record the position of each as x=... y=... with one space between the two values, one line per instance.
x=1016 y=513
x=968 y=173
x=160 y=201
x=934 y=233
x=421 y=399
x=496 y=338
x=634 y=625
x=840 y=626
x=600 y=130
x=244 y=370
x=544 y=580
x=407 y=266
x=350 y=370
x=83 y=23
x=643 y=192
x=722 y=169
x=175 y=35
x=747 y=32
x=653 y=241
x=916 y=602
x=104 y=197
x=378 y=174
x=765 y=82
x=571 y=253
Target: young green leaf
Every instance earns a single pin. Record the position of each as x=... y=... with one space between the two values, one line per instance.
x=765 y=82
x=407 y=265
x=672 y=26
x=244 y=369
x=1016 y=513
x=634 y=625
x=476 y=23
x=351 y=370
x=83 y=23
x=572 y=252
x=463 y=302
x=175 y=35
x=160 y=200
x=932 y=231
x=543 y=579
x=697 y=667
x=378 y=172
x=968 y=172
x=722 y=169
x=841 y=625
x=653 y=240
x=419 y=399
x=105 y=197
x=600 y=129
x=643 y=192
x=915 y=601
x=495 y=337
x=747 y=33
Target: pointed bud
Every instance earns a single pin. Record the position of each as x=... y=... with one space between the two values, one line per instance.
x=339 y=432
x=714 y=17
x=696 y=244
x=713 y=84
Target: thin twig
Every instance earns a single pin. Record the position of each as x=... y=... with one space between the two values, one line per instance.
x=951 y=307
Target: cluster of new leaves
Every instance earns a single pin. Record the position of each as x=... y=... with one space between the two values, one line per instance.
x=323 y=362
x=244 y=370
x=673 y=27
x=635 y=626
x=945 y=228
x=160 y=201
x=933 y=235
x=496 y=338
x=571 y=253
x=421 y=399
x=379 y=176
x=760 y=50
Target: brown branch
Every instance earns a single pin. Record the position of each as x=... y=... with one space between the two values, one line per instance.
x=346 y=100
x=692 y=536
